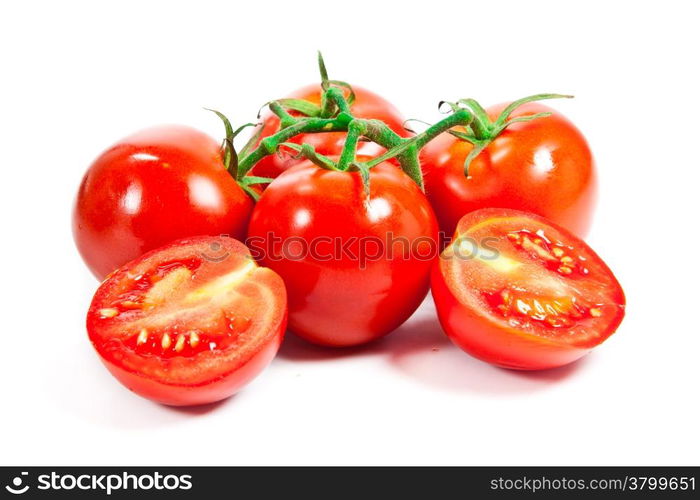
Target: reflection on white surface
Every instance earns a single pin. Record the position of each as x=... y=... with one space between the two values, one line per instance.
x=204 y=192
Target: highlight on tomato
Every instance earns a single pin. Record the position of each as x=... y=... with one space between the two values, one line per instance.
x=524 y=156
x=356 y=264
x=189 y=323
x=364 y=104
x=153 y=187
x=518 y=291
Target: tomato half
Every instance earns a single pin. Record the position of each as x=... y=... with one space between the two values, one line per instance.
x=355 y=267
x=156 y=186
x=189 y=323
x=518 y=291
x=367 y=105
x=542 y=166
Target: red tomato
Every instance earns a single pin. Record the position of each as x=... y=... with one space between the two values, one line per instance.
x=542 y=166
x=189 y=323
x=355 y=267
x=367 y=105
x=156 y=186
x=518 y=291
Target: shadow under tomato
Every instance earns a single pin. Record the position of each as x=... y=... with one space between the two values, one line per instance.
x=297 y=349
x=197 y=410
x=424 y=352
x=420 y=350
x=97 y=397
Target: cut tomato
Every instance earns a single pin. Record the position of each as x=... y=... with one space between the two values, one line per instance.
x=189 y=323
x=518 y=291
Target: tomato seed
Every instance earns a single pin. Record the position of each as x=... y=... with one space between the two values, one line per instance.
x=108 y=312
x=194 y=339
x=143 y=337
x=180 y=344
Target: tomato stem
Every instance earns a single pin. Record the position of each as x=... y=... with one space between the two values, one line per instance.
x=307 y=151
x=269 y=144
x=335 y=115
x=481 y=124
x=286 y=119
x=356 y=128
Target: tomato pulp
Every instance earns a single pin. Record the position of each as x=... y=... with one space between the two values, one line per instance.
x=518 y=291
x=355 y=267
x=543 y=166
x=189 y=323
x=367 y=105
x=156 y=186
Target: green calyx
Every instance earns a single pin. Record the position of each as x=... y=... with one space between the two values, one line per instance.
x=482 y=131
x=231 y=157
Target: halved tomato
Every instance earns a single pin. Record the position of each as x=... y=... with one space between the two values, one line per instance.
x=189 y=323
x=518 y=291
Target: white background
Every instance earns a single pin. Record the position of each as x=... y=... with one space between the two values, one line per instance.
x=78 y=76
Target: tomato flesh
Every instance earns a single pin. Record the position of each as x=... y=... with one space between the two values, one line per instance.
x=185 y=324
x=518 y=291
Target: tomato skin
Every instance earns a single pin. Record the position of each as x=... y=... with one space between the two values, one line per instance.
x=156 y=186
x=543 y=166
x=475 y=331
x=334 y=302
x=486 y=341
x=193 y=395
x=219 y=373
x=367 y=105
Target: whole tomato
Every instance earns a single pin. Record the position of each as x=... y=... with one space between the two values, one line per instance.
x=543 y=166
x=355 y=266
x=153 y=187
x=367 y=105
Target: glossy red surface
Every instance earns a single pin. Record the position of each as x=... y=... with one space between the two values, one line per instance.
x=543 y=166
x=338 y=301
x=151 y=188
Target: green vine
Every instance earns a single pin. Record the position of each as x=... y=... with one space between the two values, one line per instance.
x=467 y=121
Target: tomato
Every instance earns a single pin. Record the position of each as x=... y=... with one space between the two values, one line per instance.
x=156 y=186
x=355 y=267
x=189 y=323
x=367 y=105
x=542 y=166
x=518 y=291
